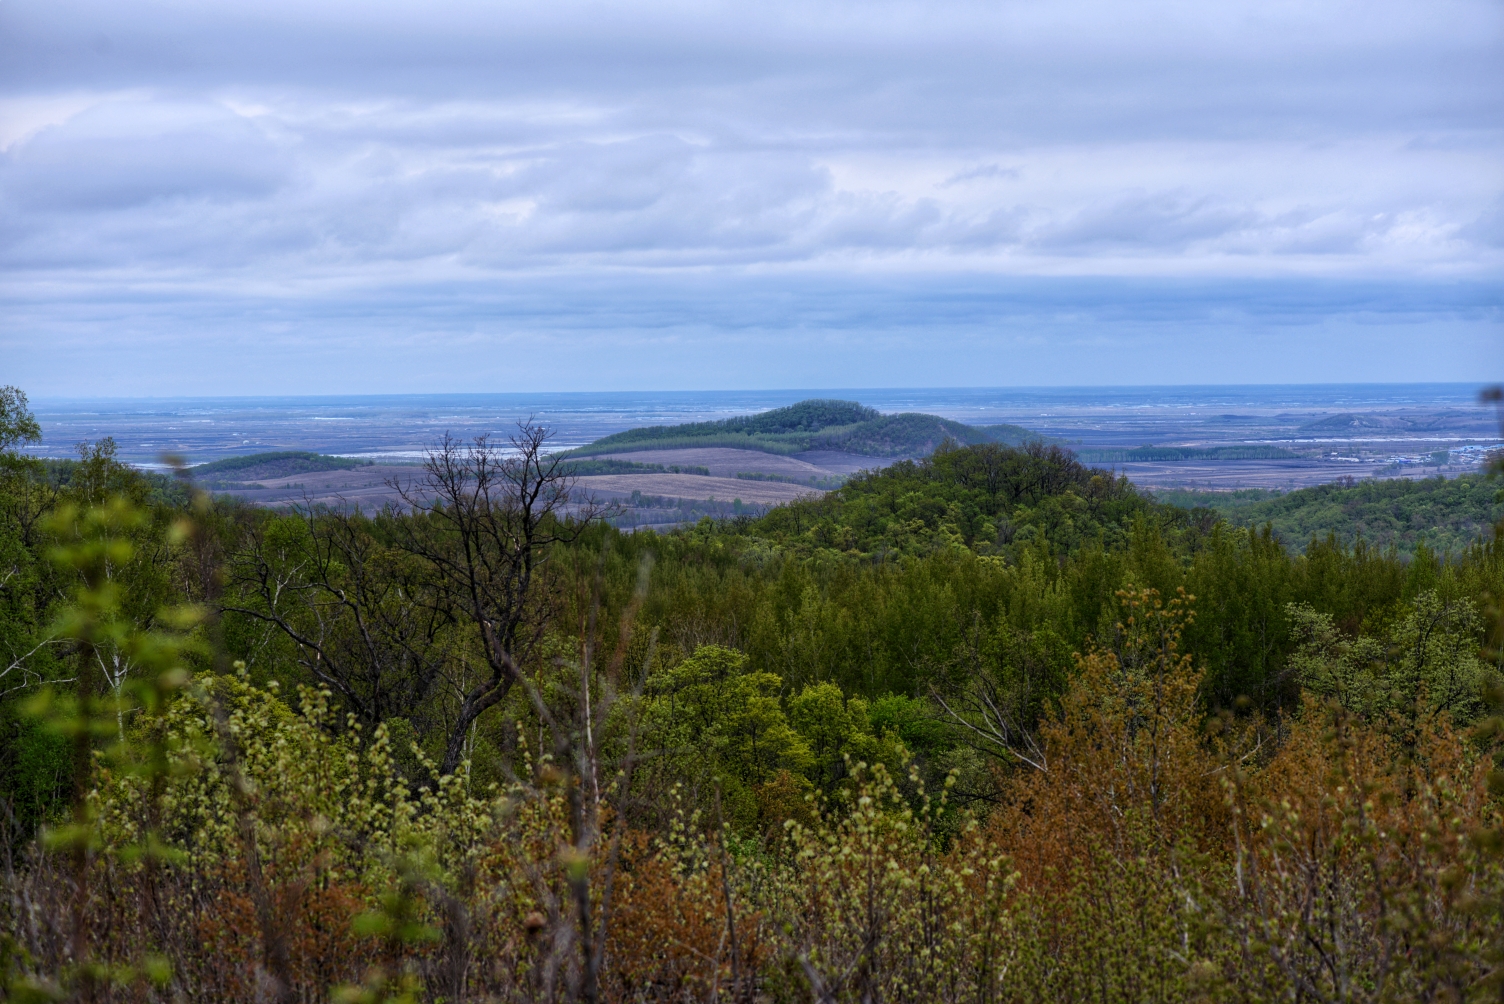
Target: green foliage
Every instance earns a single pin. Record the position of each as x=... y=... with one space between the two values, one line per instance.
x=803 y=680
x=907 y=434
x=1262 y=803
x=48 y=525
x=97 y=474
x=838 y=730
x=813 y=425
x=18 y=426
x=990 y=499
x=1012 y=435
x=122 y=674
x=584 y=468
x=277 y=464
x=1446 y=515
x=35 y=766
x=874 y=908
x=715 y=721
x=720 y=726
x=1424 y=664
x=910 y=605
x=784 y=427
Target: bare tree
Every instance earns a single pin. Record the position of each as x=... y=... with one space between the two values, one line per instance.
x=992 y=719
x=363 y=617
x=483 y=519
x=999 y=695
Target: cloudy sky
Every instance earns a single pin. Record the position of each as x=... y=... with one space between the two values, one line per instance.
x=237 y=197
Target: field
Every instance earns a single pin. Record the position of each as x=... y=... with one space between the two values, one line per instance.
x=1377 y=431
x=1226 y=475
x=692 y=486
x=728 y=463
x=366 y=486
x=370 y=485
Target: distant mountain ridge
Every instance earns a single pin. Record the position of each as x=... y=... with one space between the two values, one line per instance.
x=816 y=424
x=1423 y=422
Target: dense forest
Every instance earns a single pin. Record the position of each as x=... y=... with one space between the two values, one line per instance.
x=991 y=725
x=1437 y=514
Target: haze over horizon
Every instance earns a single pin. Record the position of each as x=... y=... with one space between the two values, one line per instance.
x=1362 y=396
x=280 y=198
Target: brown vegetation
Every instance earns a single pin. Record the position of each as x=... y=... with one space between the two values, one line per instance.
x=674 y=822
x=1151 y=858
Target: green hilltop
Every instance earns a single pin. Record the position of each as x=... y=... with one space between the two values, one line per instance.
x=814 y=425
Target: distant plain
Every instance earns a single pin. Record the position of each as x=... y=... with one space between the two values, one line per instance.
x=1327 y=433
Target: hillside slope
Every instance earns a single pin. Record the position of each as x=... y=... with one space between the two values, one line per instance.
x=1444 y=515
x=813 y=425
x=989 y=498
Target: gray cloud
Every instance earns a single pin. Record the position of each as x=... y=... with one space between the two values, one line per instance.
x=277 y=160
x=978 y=173
x=1159 y=221
x=672 y=330
x=112 y=158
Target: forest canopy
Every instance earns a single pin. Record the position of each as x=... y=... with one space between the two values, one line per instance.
x=1439 y=514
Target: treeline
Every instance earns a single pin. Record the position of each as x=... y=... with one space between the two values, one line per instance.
x=1444 y=515
x=277 y=464
x=586 y=468
x=1164 y=453
x=989 y=726
x=824 y=482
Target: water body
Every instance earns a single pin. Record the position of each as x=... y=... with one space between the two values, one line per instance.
x=398 y=427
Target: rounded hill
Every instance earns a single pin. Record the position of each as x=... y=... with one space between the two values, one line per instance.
x=816 y=424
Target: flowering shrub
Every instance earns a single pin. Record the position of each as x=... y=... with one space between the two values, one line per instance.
x=226 y=844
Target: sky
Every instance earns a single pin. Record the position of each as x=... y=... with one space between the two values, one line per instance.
x=275 y=197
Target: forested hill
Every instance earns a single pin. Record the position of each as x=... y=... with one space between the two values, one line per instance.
x=988 y=498
x=814 y=425
x=1443 y=515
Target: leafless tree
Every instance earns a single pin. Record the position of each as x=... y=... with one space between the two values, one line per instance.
x=483 y=518
x=379 y=609
x=992 y=721
x=997 y=698
x=361 y=615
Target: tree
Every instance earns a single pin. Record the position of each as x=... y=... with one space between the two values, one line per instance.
x=17 y=424
x=1427 y=664
x=364 y=618
x=485 y=519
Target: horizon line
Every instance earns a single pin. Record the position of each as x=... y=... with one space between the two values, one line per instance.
x=1017 y=388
